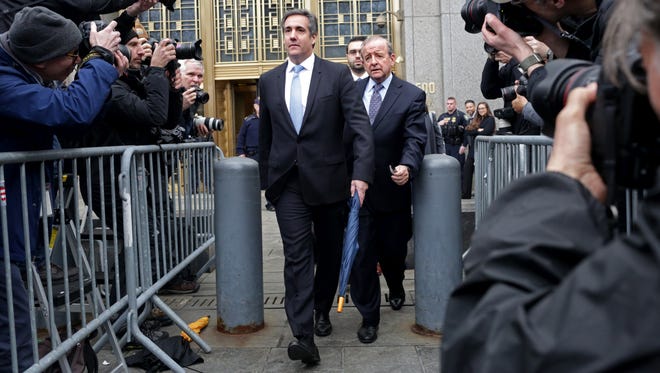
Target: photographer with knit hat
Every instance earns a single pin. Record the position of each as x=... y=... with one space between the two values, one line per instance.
x=40 y=49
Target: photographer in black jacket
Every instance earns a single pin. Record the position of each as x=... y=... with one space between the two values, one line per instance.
x=560 y=292
x=75 y=10
x=144 y=108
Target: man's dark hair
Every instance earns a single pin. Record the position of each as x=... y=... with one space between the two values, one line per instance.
x=355 y=38
x=469 y=102
x=313 y=21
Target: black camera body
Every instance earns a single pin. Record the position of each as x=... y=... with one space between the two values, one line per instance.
x=201 y=97
x=625 y=131
x=510 y=93
x=520 y=19
x=169 y=4
x=506 y=113
x=184 y=51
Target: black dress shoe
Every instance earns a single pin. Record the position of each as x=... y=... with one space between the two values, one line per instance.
x=397 y=301
x=367 y=333
x=322 y=327
x=304 y=351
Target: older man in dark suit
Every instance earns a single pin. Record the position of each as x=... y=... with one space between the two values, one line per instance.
x=304 y=105
x=397 y=110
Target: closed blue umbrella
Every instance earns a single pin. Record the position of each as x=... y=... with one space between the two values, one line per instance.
x=350 y=249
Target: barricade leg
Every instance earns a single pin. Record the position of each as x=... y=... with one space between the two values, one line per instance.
x=438 y=241
x=239 y=271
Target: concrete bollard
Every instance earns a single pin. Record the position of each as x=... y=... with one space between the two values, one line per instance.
x=438 y=242
x=238 y=259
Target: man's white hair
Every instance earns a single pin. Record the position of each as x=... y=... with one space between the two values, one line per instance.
x=185 y=63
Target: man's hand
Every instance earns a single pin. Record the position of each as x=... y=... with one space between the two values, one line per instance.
x=146 y=48
x=107 y=38
x=163 y=53
x=121 y=62
x=360 y=187
x=571 y=151
x=519 y=102
x=401 y=174
x=443 y=121
x=462 y=149
x=140 y=6
x=202 y=130
x=189 y=97
x=503 y=38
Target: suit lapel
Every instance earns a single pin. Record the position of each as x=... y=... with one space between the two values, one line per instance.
x=281 y=88
x=393 y=93
x=317 y=73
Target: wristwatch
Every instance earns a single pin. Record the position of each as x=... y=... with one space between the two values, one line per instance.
x=530 y=61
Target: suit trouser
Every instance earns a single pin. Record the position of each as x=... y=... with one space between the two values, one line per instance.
x=383 y=237
x=306 y=292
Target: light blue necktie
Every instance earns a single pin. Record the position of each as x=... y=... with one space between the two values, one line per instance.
x=375 y=102
x=295 y=99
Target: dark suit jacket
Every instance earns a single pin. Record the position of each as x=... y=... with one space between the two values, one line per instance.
x=399 y=136
x=317 y=151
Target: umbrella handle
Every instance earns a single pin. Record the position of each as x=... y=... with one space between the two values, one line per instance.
x=340 y=304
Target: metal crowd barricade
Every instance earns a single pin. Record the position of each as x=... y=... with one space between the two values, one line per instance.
x=166 y=227
x=68 y=274
x=501 y=159
x=63 y=210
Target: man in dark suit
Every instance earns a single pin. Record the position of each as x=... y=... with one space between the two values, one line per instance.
x=304 y=105
x=398 y=116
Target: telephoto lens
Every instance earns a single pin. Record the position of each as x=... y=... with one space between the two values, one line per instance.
x=213 y=124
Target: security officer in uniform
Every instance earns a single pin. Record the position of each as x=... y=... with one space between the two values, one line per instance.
x=247 y=144
x=453 y=125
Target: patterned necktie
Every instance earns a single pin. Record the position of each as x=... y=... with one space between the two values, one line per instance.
x=375 y=102
x=295 y=99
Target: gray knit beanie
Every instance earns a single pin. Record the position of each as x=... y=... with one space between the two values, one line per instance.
x=39 y=34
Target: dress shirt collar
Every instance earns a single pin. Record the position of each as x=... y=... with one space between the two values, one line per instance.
x=308 y=64
x=385 y=83
x=359 y=77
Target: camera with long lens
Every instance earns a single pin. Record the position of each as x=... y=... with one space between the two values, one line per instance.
x=85 y=28
x=184 y=51
x=510 y=93
x=201 y=97
x=625 y=131
x=519 y=19
x=213 y=124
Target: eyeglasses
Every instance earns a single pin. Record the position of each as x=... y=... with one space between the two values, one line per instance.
x=72 y=54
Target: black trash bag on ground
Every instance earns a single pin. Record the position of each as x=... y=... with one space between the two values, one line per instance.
x=175 y=347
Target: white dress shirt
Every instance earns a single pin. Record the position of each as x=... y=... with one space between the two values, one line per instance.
x=305 y=77
x=366 y=97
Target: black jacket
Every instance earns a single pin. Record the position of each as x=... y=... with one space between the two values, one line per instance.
x=75 y=10
x=138 y=107
x=549 y=289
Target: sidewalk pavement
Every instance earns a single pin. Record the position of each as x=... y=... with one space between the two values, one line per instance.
x=397 y=349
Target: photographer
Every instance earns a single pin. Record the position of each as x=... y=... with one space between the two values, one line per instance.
x=192 y=77
x=560 y=293
x=500 y=79
x=144 y=109
x=39 y=50
x=75 y=10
